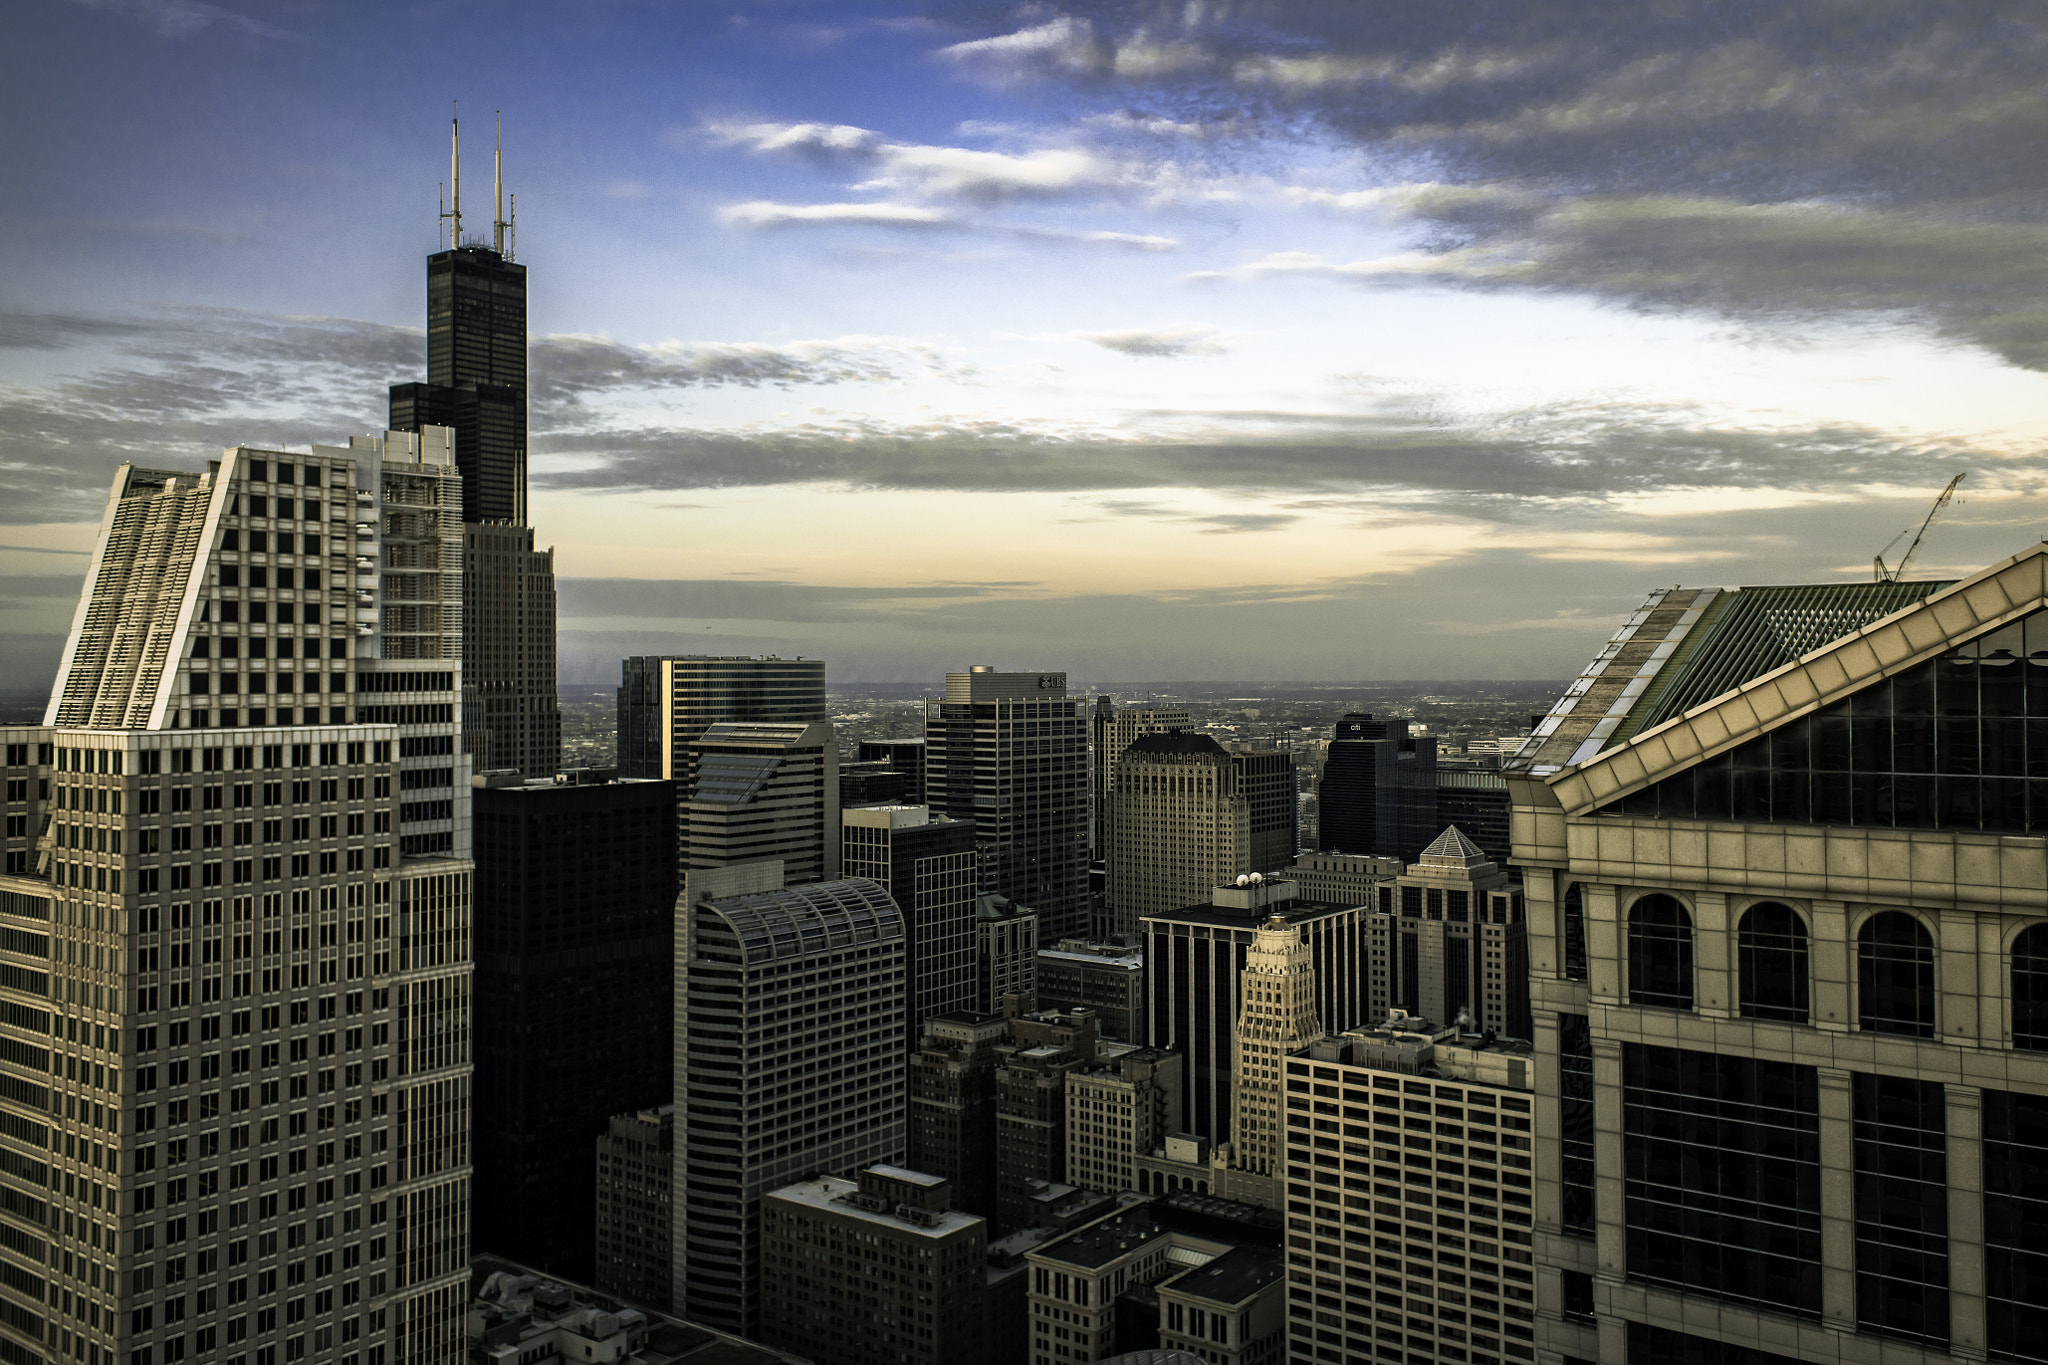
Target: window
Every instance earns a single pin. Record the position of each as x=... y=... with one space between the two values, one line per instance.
x=2015 y=1225
x=1575 y=1120
x=1575 y=933
x=1895 y=976
x=1901 y=1207
x=2030 y=989
x=1659 y=953
x=1771 y=944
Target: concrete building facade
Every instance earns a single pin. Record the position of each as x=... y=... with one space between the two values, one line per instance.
x=234 y=1094
x=789 y=1061
x=1409 y=1185
x=1189 y=815
x=1006 y=935
x=1276 y=1015
x=1107 y=978
x=929 y=867
x=761 y=791
x=1788 y=899
x=876 y=1270
x=1118 y=1112
x=636 y=1206
x=1110 y=732
x=1450 y=940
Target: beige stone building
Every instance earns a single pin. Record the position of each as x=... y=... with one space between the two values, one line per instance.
x=1276 y=1015
x=1788 y=898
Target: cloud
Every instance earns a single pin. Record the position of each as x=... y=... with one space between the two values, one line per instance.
x=1191 y=339
x=182 y=18
x=761 y=213
x=925 y=171
x=1784 y=164
x=726 y=599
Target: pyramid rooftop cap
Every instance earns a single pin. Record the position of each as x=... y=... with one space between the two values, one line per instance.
x=1453 y=847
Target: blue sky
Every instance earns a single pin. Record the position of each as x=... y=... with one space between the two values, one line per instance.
x=1148 y=341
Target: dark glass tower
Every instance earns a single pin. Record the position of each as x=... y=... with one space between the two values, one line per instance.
x=476 y=377
x=476 y=385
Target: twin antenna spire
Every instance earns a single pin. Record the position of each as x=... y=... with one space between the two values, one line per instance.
x=502 y=232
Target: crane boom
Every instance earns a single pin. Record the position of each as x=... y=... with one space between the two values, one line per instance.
x=1894 y=574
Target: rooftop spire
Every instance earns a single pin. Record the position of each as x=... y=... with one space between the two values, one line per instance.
x=454 y=215
x=498 y=190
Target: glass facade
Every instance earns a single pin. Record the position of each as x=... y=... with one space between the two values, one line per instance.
x=1649 y=1345
x=1771 y=943
x=1895 y=976
x=1902 y=1207
x=1574 y=933
x=1723 y=1175
x=2015 y=1226
x=1659 y=953
x=1959 y=742
x=2030 y=989
x=1575 y=1119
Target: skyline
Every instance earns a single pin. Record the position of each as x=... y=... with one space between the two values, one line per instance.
x=914 y=336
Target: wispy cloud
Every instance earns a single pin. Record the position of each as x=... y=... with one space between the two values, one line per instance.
x=1170 y=342
x=761 y=213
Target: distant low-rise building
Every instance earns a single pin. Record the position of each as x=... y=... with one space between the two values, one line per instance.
x=521 y=1317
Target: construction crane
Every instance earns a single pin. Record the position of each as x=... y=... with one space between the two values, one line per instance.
x=1898 y=571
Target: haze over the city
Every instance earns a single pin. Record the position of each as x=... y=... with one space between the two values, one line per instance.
x=1280 y=341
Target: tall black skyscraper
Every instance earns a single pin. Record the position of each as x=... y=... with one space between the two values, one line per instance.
x=476 y=385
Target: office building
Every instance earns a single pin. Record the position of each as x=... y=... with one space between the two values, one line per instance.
x=521 y=1317
x=1788 y=902
x=665 y=702
x=1190 y=815
x=1110 y=732
x=1404 y=1244
x=1110 y=1288
x=952 y=1105
x=905 y=758
x=238 y=980
x=1117 y=1112
x=1276 y=1015
x=1356 y=765
x=1107 y=979
x=1032 y=1064
x=635 y=1205
x=1341 y=878
x=1006 y=953
x=871 y=782
x=476 y=387
x=1450 y=941
x=877 y=1270
x=575 y=894
x=762 y=791
x=789 y=1062
x=929 y=867
x=1194 y=958
x=1009 y=751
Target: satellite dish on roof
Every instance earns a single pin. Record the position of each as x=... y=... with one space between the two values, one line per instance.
x=1257 y=878
x=1243 y=880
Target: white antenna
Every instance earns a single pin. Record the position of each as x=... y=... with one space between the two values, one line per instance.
x=498 y=190
x=455 y=174
x=512 y=232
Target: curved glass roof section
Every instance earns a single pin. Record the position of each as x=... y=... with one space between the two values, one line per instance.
x=800 y=920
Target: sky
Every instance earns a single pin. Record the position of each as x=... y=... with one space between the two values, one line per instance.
x=1261 y=341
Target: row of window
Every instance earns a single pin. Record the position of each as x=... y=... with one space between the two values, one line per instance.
x=1894 y=969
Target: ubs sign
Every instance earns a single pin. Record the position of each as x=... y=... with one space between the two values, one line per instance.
x=1048 y=682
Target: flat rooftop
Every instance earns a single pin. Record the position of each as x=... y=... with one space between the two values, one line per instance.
x=1231 y=1278
x=827 y=1194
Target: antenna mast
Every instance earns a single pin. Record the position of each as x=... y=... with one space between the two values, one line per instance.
x=498 y=190
x=455 y=175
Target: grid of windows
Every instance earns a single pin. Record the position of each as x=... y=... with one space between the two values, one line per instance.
x=1575 y=1119
x=1648 y=1345
x=1895 y=976
x=1901 y=1207
x=1722 y=1192
x=1659 y=953
x=1959 y=742
x=2030 y=989
x=1771 y=942
x=2015 y=1226
x=1574 y=933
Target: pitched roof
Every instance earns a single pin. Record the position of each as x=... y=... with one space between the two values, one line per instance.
x=1453 y=844
x=1986 y=600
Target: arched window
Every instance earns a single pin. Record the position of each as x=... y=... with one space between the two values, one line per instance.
x=1771 y=943
x=2030 y=989
x=1659 y=953
x=1895 y=976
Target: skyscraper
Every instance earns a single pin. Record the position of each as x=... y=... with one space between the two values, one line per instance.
x=1276 y=1015
x=1789 y=923
x=1110 y=732
x=576 y=889
x=789 y=1062
x=928 y=866
x=1190 y=815
x=1449 y=940
x=762 y=791
x=476 y=387
x=1009 y=751
x=237 y=1094
x=665 y=702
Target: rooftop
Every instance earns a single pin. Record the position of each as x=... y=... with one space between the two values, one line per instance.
x=830 y=1194
x=1238 y=1274
x=1174 y=742
x=1685 y=646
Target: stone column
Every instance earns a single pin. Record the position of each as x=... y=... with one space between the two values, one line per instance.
x=1609 y=1161
x=1965 y=1221
x=1606 y=949
x=1833 y=964
x=1713 y=956
x=1837 y=1199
